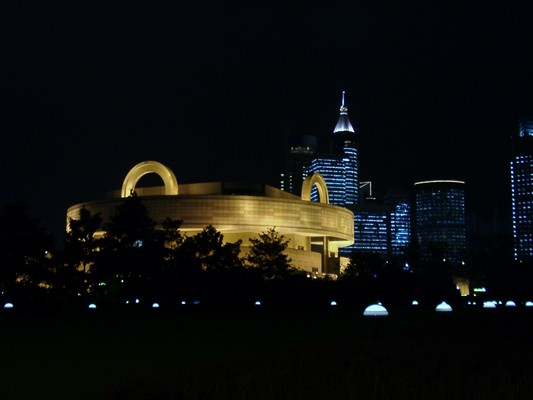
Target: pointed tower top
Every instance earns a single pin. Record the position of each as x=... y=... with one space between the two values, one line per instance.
x=343 y=108
x=343 y=124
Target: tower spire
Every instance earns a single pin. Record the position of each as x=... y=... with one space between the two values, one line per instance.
x=343 y=124
x=343 y=108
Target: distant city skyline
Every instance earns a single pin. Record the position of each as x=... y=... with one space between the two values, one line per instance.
x=434 y=91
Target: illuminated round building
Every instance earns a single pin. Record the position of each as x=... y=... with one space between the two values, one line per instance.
x=240 y=212
x=440 y=220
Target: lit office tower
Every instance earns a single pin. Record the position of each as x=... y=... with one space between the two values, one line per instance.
x=397 y=201
x=370 y=229
x=333 y=171
x=300 y=150
x=522 y=190
x=340 y=166
x=440 y=221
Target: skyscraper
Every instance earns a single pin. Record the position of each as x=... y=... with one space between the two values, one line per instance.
x=333 y=171
x=522 y=190
x=370 y=234
x=300 y=151
x=398 y=203
x=440 y=220
x=339 y=167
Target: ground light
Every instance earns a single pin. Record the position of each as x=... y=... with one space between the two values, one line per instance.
x=8 y=305
x=414 y=303
x=155 y=305
x=443 y=307
x=257 y=303
x=510 y=303
x=333 y=303
x=489 y=304
x=529 y=303
x=92 y=306
x=375 y=310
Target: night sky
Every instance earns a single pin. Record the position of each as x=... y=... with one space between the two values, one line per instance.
x=88 y=91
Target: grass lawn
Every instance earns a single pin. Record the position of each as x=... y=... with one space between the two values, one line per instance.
x=259 y=354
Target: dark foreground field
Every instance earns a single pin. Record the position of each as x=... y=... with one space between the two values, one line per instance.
x=257 y=354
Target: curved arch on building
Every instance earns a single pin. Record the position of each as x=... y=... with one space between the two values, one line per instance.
x=307 y=186
x=149 y=167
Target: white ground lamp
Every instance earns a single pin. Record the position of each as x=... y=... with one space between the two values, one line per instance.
x=375 y=310
x=443 y=307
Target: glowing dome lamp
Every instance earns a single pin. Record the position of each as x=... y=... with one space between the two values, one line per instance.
x=489 y=304
x=443 y=307
x=8 y=306
x=375 y=310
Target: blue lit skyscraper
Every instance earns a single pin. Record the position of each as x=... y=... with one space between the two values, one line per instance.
x=333 y=171
x=398 y=203
x=522 y=190
x=339 y=167
x=371 y=224
x=440 y=220
x=344 y=138
x=370 y=229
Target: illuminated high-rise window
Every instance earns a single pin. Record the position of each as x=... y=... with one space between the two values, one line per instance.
x=522 y=190
x=440 y=220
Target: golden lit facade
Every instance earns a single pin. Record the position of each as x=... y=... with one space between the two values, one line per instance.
x=242 y=211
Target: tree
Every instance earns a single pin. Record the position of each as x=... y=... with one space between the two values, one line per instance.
x=208 y=251
x=132 y=252
x=363 y=266
x=131 y=226
x=24 y=249
x=171 y=233
x=80 y=248
x=267 y=254
x=79 y=241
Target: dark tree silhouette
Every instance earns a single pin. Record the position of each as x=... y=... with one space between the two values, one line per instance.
x=208 y=252
x=70 y=279
x=267 y=255
x=24 y=251
x=132 y=252
x=80 y=243
x=363 y=266
x=131 y=226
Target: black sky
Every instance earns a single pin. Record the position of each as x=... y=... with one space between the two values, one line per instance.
x=208 y=89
